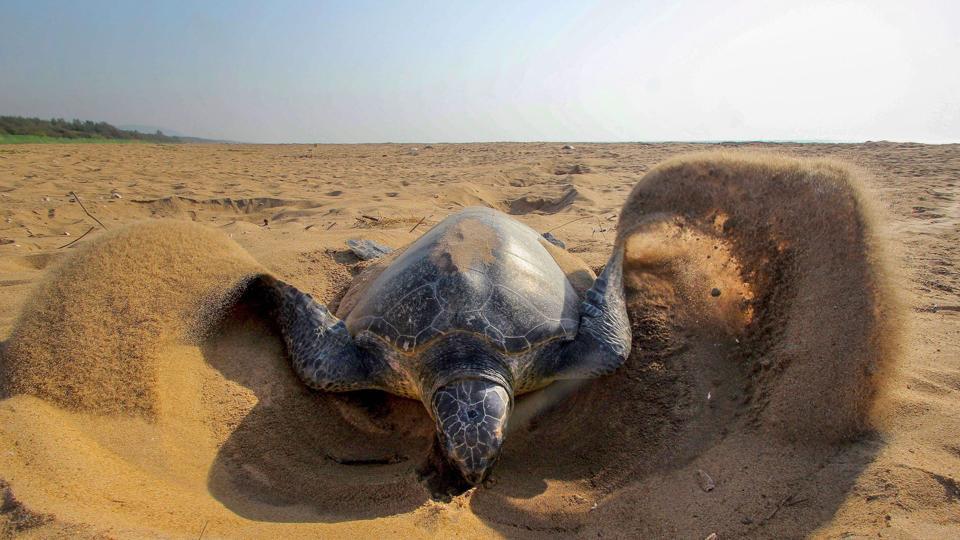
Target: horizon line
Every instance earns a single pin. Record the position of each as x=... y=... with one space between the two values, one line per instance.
x=572 y=142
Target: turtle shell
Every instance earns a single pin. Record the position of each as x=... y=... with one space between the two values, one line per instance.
x=478 y=271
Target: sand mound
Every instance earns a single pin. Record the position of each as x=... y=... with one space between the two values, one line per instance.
x=802 y=284
x=89 y=338
x=177 y=205
x=544 y=204
x=465 y=194
x=760 y=316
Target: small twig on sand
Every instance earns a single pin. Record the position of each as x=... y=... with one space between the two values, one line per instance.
x=90 y=230
x=371 y=218
x=601 y=229
x=204 y=529
x=935 y=308
x=569 y=222
x=424 y=218
x=77 y=198
x=794 y=502
x=330 y=226
x=367 y=461
x=787 y=501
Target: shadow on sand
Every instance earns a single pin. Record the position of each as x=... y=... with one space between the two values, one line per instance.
x=577 y=453
x=301 y=455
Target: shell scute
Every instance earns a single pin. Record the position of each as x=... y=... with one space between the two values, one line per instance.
x=478 y=271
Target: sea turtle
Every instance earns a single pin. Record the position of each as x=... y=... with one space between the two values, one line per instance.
x=474 y=312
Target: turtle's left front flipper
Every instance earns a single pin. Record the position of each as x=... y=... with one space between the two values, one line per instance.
x=603 y=340
x=321 y=350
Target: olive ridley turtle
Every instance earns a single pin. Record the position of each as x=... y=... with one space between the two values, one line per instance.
x=473 y=313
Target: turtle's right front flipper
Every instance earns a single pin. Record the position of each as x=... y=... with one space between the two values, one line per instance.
x=603 y=339
x=320 y=348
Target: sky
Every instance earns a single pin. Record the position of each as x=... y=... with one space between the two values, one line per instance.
x=448 y=71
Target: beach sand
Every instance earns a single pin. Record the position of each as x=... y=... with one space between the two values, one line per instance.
x=818 y=393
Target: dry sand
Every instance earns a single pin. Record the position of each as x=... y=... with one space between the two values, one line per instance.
x=818 y=394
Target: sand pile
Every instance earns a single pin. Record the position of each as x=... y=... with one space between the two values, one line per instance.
x=793 y=245
x=88 y=339
x=762 y=323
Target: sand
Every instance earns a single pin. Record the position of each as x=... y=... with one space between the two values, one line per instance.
x=796 y=368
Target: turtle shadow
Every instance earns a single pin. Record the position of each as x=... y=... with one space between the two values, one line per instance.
x=305 y=456
x=625 y=451
x=582 y=455
x=575 y=441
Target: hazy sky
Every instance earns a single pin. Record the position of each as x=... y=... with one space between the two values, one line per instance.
x=358 y=71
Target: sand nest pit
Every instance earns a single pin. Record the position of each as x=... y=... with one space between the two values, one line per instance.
x=756 y=384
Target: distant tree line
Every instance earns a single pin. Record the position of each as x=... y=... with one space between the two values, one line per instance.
x=75 y=129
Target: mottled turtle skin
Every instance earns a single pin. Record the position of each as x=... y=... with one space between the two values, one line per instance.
x=474 y=312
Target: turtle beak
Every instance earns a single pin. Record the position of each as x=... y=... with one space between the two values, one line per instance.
x=471 y=416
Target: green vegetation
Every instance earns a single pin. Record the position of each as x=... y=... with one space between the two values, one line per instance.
x=16 y=129
x=40 y=139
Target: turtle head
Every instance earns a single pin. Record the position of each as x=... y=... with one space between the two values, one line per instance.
x=471 y=416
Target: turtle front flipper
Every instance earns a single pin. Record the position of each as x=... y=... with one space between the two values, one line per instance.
x=603 y=339
x=321 y=350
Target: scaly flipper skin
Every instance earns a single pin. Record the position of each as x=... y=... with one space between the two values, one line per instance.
x=321 y=349
x=604 y=339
